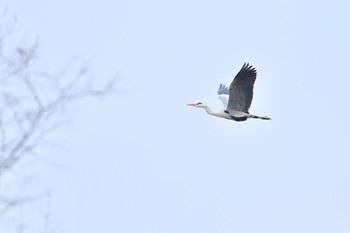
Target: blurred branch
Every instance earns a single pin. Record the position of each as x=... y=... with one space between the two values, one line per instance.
x=32 y=106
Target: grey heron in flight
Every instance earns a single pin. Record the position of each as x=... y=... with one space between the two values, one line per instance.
x=238 y=98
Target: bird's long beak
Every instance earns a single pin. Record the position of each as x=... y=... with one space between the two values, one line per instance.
x=191 y=105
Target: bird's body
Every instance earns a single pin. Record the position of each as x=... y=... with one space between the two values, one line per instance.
x=236 y=99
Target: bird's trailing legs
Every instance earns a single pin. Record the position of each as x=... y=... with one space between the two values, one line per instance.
x=259 y=117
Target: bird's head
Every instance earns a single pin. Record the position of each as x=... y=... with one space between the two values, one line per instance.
x=198 y=105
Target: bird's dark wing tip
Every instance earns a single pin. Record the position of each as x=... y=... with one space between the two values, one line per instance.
x=247 y=67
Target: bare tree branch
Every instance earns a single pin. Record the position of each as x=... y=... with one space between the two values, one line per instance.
x=32 y=106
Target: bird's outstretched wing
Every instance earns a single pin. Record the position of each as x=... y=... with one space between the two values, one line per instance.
x=223 y=90
x=223 y=94
x=241 y=89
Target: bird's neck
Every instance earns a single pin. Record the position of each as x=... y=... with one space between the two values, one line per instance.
x=209 y=111
x=217 y=114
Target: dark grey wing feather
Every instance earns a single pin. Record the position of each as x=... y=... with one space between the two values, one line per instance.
x=241 y=89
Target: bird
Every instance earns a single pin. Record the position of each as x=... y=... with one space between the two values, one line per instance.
x=237 y=98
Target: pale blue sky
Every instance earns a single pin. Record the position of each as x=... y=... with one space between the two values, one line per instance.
x=143 y=162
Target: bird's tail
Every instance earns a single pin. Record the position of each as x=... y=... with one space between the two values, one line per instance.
x=259 y=117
